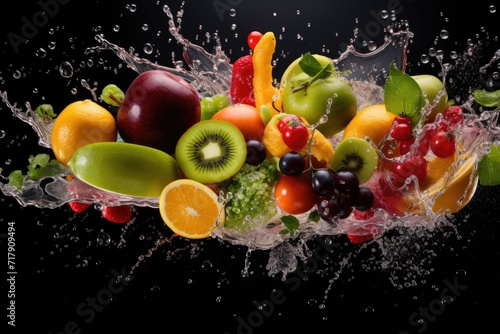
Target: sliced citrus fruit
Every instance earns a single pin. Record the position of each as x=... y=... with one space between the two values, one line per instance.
x=190 y=208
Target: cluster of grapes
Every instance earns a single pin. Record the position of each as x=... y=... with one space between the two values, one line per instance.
x=211 y=104
x=338 y=192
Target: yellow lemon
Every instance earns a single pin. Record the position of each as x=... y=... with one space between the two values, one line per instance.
x=81 y=123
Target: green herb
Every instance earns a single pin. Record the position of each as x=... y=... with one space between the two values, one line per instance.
x=487 y=99
x=40 y=166
x=312 y=67
x=403 y=95
x=45 y=111
x=16 y=179
x=312 y=71
x=488 y=168
x=314 y=216
x=291 y=224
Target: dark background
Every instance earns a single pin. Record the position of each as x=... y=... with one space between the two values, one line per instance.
x=187 y=287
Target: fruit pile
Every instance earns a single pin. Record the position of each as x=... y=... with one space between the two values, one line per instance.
x=260 y=153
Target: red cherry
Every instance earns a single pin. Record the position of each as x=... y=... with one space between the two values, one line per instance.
x=253 y=38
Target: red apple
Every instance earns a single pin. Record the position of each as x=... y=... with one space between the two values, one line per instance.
x=157 y=109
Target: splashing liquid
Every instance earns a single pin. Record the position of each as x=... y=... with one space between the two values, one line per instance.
x=209 y=74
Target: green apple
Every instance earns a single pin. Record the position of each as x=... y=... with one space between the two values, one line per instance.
x=432 y=86
x=309 y=96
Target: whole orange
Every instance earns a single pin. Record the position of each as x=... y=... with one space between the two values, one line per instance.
x=245 y=117
x=81 y=123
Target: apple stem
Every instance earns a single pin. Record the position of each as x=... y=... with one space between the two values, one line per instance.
x=112 y=97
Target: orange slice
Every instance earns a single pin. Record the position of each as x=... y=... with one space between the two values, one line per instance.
x=190 y=208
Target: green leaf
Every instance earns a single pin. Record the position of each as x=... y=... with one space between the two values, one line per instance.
x=314 y=216
x=403 y=95
x=487 y=99
x=45 y=110
x=42 y=166
x=291 y=224
x=312 y=67
x=488 y=168
x=16 y=179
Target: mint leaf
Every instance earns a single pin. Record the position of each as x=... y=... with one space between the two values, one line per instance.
x=45 y=110
x=42 y=166
x=312 y=67
x=488 y=168
x=291 y=224
x=487 y=99
x=16 y=179
x=403 y=95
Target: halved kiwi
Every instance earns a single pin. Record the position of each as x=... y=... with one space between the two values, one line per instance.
x=356 y=155
x=211 y=151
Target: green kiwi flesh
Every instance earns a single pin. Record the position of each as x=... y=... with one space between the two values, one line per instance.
x=211 y=151
x=356 y=155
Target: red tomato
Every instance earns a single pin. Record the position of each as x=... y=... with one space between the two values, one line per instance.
x=443 y=144
x=253 y=38
x=295 y=194
x=295 y=137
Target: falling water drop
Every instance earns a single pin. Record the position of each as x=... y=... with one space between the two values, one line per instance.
x=66 y=70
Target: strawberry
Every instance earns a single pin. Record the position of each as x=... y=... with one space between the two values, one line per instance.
x=117 y=214
x=242 y=81
x=78 y=207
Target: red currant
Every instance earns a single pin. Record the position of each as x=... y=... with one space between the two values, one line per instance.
x=401 y=132
x=414 y=165
x=253 y=38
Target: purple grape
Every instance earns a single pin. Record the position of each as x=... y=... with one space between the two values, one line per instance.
x=256 y=152
x=292 y=163
x=328 y=208
x=346 y=182
x=323 y=182
x=363 y=199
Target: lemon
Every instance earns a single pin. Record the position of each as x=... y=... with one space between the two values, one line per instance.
x=79 y=124
x=124 y=168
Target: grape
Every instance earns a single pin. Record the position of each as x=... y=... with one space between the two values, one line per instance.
x=220 y=101
x=323 y=182
x=328 y=208
x=292 y=163
x=363 y=199
x=346 y=182
x=256 y=152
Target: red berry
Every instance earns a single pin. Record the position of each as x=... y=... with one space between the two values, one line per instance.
x=414 y=165
x=117 y=214
x=405 y=145
x=359 y=239
x=295 y=137
x=242 y=81
x=442 y=144
x=253 y=38
x=454 y=115
x=401 y=132
x=400 y=119
x=78 y=207
x=286 y=121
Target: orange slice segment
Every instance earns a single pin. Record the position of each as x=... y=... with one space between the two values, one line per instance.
x=190 y=208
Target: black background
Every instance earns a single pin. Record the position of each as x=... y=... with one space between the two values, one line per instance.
x=187 y=287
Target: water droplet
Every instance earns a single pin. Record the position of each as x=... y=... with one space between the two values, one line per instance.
x=66 y=70
x=148 y=48
x=132 y=8
x=189 y=281
x=116 y=28
x=16 y=74
x=232 y=12
x=41 y=53
x=384 y=14
x=8 y=162
x=493 y=9
x=444 y=34
x=207 y=264
x=369 y=309
x=233 y=26
x=145 y=27
x=372 y=46
x=2 y=134
x=52 y=45
x=218 y=299
x=103 y=239
x=424 y=58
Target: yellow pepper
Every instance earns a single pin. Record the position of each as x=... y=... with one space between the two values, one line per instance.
x=264 y=91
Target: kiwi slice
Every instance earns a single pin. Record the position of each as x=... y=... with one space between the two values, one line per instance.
x=356 y=155
x=211 y=151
